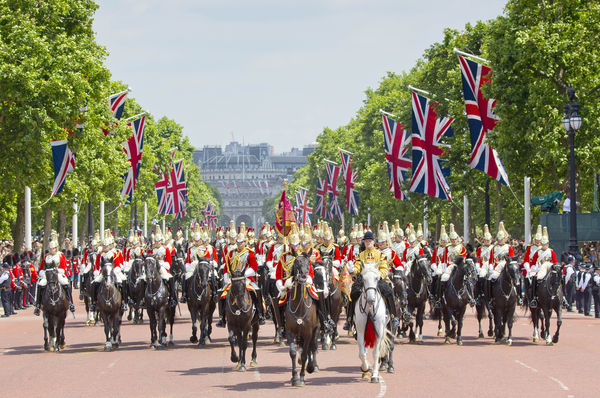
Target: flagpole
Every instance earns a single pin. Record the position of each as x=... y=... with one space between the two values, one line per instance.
x=457 y=51
x=102 y=220
x=119 y=93
x=387 y=113
x=133 y=117
x=28 y=218
x=145 y=219
x=345 y=151
x=466 y=210
x=527 y=210
x=413 y=88
x=75 y=211
x=330 y=161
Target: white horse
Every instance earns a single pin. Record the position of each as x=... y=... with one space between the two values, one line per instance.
x=371 y=318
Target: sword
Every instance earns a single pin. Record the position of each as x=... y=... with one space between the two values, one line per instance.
x=179 y=308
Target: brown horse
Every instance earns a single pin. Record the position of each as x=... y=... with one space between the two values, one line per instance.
x=109 y=307
x=54 y=307
x=200 y=302
x=301 y=322
x=242 y=318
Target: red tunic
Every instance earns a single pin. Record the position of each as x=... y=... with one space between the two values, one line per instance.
x=33 y=272
x=17 y=273
x=250 y=263
x=511 y=253
x=62 y=265
x=209 y=251
x=535 y=257
x=419 y=253
x=117 y=260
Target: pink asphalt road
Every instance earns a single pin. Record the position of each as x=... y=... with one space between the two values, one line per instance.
x=480 y=368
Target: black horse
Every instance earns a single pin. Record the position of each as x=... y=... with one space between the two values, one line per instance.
x=419 y=278
x=109 y=307
x=301 y=321
x=200 y=302
x=482 y=306
x=550 y=297
x=326 y=285
x=157 y=305
x=242 y=318
x=458 y=293
x=54 y=307
x=86 y=289
x=400 y=282
x=505 y=299
x=271 y=296
x=136 y=288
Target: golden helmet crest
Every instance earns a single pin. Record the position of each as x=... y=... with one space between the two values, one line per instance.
x=108 y=238
x=96 y=239
x=53 y=244
x=486 y=232
x=502 y=234
x=382 y=233
x=158 y=236
x=538 y=235
x=420 y=231
x=307 y=236
x=168 y=234
x=294 y=235
x=232 y=232
x=545 y=238
x=242 y=235
x=131 y=237
x=341 y=236
x=453 y=235
x=410 y=228
x=443 y=235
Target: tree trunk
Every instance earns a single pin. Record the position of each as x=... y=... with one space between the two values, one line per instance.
x=438 y=227
x=499 y=203
x=116 y=223
x=454 y=216
x=61 y=227
x=487 y=203
x=47 y=226
x=19 y=227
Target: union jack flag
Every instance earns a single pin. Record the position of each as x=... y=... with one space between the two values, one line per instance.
x=480 y=112
x=428 y=174
x=333 y=172
x=304 y=211
x=161 y=192
x=177 y=190
x=116 y=105
x=133 y=148
x=349 y=180
x=64 y=163
x=396 y=140
x=321 y=210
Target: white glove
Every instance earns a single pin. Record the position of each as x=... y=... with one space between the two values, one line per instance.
x=279 y=285
x=289 y=283
x=270 y=264
x=214 y=264
x=43 y=272
x=249 y=273
x=309 y=280
x=535 y=268
x=226 y=279
x=350 y=266
x=336 y=263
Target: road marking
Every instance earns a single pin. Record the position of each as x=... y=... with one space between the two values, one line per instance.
x=560 y=383
x=110 y=365
x=256 y=374
x=525 y=365
x=382 y=388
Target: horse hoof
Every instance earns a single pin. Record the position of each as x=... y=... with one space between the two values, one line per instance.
x=447 y=341
x=509 y=342
x=382 y=367
x=375 y=379
x=420 y=341
x=416 y=339
x=241 y=368
x=390 y=369
x=325 y=347
x=459 y=341
x=116 y=345
x=535 y=339
x=159 y=347
x=548 y=342
x=276 y=340
x=333 y=347
x=129 y=318
x=171 y=344
x=235 y=359
x=282 y=343
x=480 y=336
x=193 y=339
x=299 y=361
x=490 y=333
x=62 y=346
x=46 y=347
x=253 y=364
x=297 y=383
x=316 y=369
x=555 y=339
x=441 y=333
x=366 y=375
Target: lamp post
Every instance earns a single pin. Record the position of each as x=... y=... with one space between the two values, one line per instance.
x=571 y=123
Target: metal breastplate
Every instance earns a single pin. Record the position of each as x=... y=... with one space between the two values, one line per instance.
x=485 y=253
x=544 y=255
x=500 y=252
x=51 y=261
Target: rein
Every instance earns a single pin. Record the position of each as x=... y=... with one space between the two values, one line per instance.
x=293 y=312
x=242 y=309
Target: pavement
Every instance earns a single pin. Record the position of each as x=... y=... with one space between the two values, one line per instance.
x=479 y=368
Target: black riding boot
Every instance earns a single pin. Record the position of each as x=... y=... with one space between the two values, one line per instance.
x=222 y=322
x=93 y=296
x=441 y=287
x=490 y=291
x=172 y=292
x=257 y=299
x=38 y=299
x=183 y=298
x=321 y=314
x=68 y=291
x=123 y=289
x=533 y=303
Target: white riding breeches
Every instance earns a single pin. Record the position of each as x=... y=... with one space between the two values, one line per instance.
x=190 y=268
x=127 y=266
x=495 y=272
x=447 y=272
x=542 y=271
x=62 y=278
x=438 y=269
x=119 y=276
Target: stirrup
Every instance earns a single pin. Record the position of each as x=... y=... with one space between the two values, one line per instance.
x=437 y=304
x=183 y=300
x=36 y=311
x=346 y=325
x=261 y=320
x=533 y=303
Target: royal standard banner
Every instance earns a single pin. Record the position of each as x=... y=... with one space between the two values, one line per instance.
x=284 y=217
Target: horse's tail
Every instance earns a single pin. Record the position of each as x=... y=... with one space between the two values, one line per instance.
x=386 y=343
x=370 y=334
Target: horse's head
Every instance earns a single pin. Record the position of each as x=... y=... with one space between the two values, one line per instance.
x=427 y=252
x=370 y=277
x=203 y=270
x=301 y=268
x=52 y=276
x=421 y=268
x=513 y=270
x=107 y=272
x=152 y=271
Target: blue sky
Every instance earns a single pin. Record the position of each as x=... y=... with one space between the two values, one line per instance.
x=274 y=71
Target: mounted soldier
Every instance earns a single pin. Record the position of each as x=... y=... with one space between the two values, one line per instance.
x=438 y=262
x=413 y=251
x=399 y=244
x=420 y=236
x=200 y=249
x=328 y=249
x=54 y=259
x=542 y=260
x=163 y=256
x=499 y=254
x=243 y=258
x=393 y=262
x=112 y=255
x=530 y=252
x=454 y=250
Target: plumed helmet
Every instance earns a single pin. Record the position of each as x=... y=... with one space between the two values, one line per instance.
x=342 y=238
x=420 y=231
x=179 y=233
x=242 y=235
x=443 y=235
x=409 y=229
x=453 y=234
x=545 y=238
x=382 y=232
x=294 y=235
x=327 y=232
x=307 y=236
x=502 y=234
x=131 y=236
x=158 y=236
x=232 y=232
x=486 y=232
x=168 y=234
x=538 y=235
x=53 y=244
x=205 y=235
x=108 y=238
x=197 y=233
x=96 y=239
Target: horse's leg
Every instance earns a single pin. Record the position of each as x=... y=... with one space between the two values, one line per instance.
x=254 y=339
x=534 y=321
x=498 y=322
x=548 y=315
x=390 y=356
x=509 y=322
x=162 y=326
x=303 y=357
x=480 y=312
x=558 y=309
x=243 y=345
x=446 y=315
x=61 y=331
x=115 y=335
x=106 y=322
x=459 y=319
x=45 y=326
x=194 y=316
x=293 y=354
x=490 y=332
x=420 y=316
x=171 y=322
x=232 y=340
x=153 y=327
x=362 y=350
x=376 y=360
x=313 y=366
